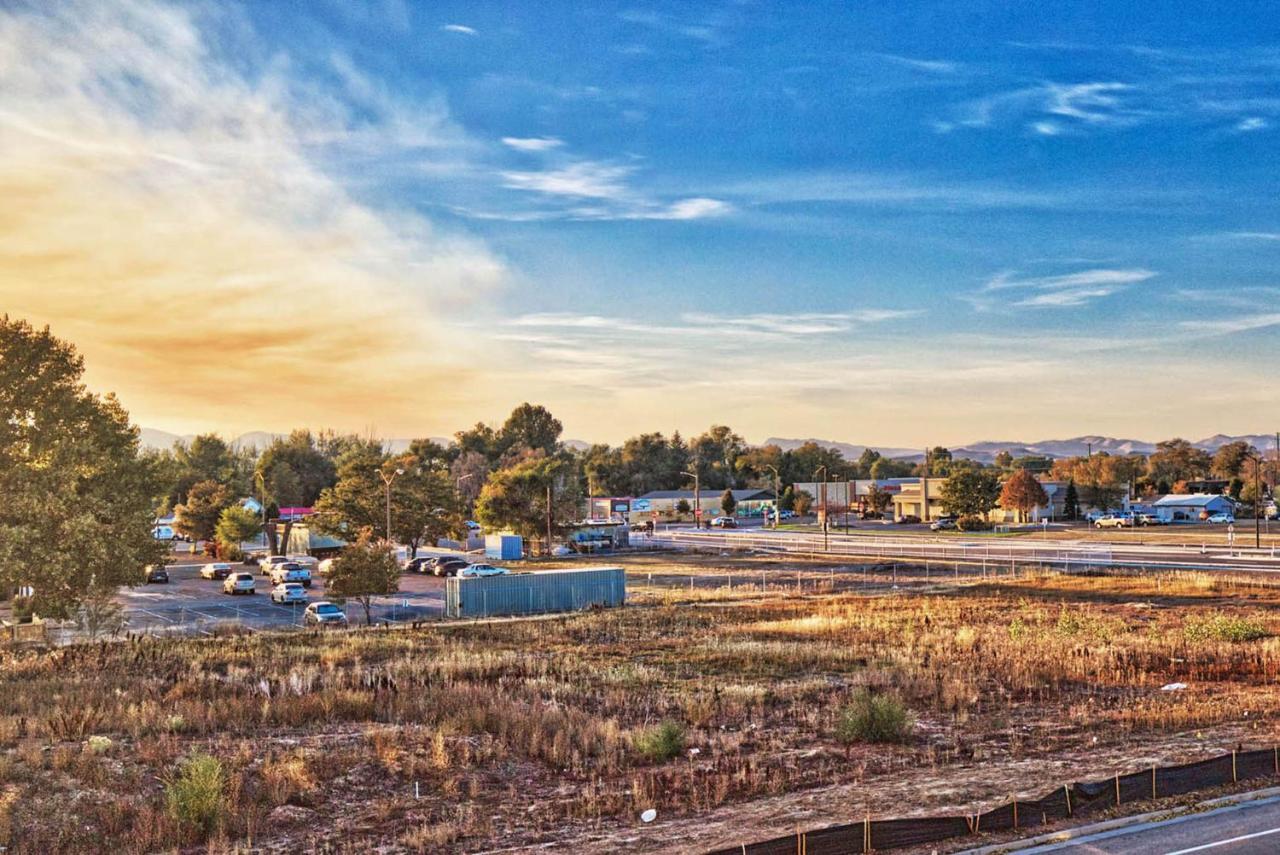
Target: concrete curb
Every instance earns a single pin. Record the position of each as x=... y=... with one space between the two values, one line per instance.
x=1069 y=834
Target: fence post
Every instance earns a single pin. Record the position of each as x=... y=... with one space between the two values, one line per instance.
x=866 y=833
x=1067 y=792
x=1153 y=782
x=1117 y=789
x=1234 y=778
x=1015 y=812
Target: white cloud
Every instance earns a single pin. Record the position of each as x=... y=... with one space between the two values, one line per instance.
x=692 y=209
x=532 y=143
x=1227 y=326
x=1094 y=103
x=461 y=29
x=584 y=179
x=1252 y=123
x=1047 y=129
x=933 y=66
x=1062 y=291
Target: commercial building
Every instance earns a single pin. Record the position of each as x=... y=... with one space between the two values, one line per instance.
x=1190 y=507
x=920 y=497
x=661 y=505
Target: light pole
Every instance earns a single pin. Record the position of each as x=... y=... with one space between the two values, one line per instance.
x=386 y=480
x=823 y=470
x=1257 y=499
x=777 y=495
x=697 y=499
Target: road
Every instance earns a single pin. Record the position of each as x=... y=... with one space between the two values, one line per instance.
x=1250 y=828
x=996 y=553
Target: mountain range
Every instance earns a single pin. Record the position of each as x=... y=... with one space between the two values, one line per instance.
x=986 y=450
x=258 y=440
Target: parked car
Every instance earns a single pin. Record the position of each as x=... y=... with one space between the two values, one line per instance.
x=907 y=519
x=270 y=561
x=305 y=560
x=217 y=570
x=786 y=515
x=942 y=524
x=1114 y=521
x=725 y=522
x=290 y=572
x=473 y=571
x=447 y=565
x=158 y=574
x=325 y=567
x=472 y=525
x=288 y=592
x=418 y=565
x=324 y=613
x=239 y=583
x=1150 y=519
x=1222 y=518
x=252 y=559
x=1094 y=515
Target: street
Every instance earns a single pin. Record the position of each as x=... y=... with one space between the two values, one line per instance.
x=1251 y=828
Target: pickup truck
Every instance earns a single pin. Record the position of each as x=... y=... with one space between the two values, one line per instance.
x=290 y=572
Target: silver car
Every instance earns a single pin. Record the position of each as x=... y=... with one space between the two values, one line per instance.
x=473 y=571
x=324 y=613
x=288 y=592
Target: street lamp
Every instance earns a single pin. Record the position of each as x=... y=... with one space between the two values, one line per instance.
x=1257 y=498
x=777 y=495
x=386 y=480
x=823 y=470
x=697 y=498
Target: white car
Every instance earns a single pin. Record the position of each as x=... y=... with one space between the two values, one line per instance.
x=289 y=592
x=217 y=570
x=324 y=613
x=266 y=565
x=1222 y=518
x=326 y=566
x=239 y=583
x=473 y=571
x=290 y=572
x=305 y=560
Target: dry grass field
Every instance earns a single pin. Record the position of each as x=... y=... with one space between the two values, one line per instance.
x=737 y=714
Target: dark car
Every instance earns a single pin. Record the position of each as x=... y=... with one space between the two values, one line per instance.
x=156 y=574
x=907 y=519
x=419 y=564
x=448 y=565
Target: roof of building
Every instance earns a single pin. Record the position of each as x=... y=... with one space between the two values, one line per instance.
x=1188 y=500
x=738 y=495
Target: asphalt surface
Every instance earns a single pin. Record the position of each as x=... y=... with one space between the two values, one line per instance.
x=192 y=604
x=1250 y=828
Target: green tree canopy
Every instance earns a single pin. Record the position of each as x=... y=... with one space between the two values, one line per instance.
x=971 y=492
x=236 y=524
x=76 y=512
x=366 y=569
x=198 y=516
x=530 y=426
x=728 y=503
x=515 y=498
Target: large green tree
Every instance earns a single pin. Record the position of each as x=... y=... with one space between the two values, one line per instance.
x=516 y=498
x=295 y=470
x=366 y=569
x=971 y=492
x=198 y=516
x=76 y=498
x=236 y=524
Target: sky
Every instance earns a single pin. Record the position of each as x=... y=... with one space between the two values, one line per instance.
x=891 y=224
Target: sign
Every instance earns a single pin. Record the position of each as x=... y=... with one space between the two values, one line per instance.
x=641 y=505
x=698 y=512
x=620 y=506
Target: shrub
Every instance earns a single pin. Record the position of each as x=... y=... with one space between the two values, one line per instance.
x=100 y=744
x=972 y=522
x=662 y=742
x=872 y=717
x=1220 y=627
x=194 y=797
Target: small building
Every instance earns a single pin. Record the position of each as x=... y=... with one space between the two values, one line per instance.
x=304 y=540
x=597 y=535
x=610 y=508
x=1188 y=507
x=504 y=547
x=920 y=497
x=661 y=504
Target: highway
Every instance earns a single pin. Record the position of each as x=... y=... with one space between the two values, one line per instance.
x=1250 y=828
x=996 y=554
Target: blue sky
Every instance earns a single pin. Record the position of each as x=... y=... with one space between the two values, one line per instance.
x=927 y=223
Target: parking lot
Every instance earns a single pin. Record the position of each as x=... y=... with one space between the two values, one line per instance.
x=193 y=605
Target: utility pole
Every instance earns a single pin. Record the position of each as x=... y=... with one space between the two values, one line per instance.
x=697 y=500
x=924 y=489
x=823 y=470
x=548 y=517
x=1257 y=499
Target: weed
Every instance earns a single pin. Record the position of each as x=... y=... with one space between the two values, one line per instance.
x=195 y=797
x=1221 y=627
x=660 y=743
x=874 y=717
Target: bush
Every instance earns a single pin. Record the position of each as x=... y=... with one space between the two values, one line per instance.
x=662 y=742
x=1222 y=627
x=195 y=796
x=972 y=522
x=872 y=717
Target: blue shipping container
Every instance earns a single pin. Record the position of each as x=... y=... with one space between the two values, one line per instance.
x=504 y=547
x=536 y=593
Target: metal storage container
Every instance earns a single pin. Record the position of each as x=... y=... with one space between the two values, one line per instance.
x=504 y=547
x=535 y=593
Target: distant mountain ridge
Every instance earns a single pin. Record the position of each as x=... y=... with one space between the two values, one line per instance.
x=258 y=440
x=986 y=450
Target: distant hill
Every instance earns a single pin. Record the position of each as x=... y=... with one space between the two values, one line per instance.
x=258 y=440
x=986 y=450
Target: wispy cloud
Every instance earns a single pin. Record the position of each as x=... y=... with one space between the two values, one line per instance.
x=1062 y=291
x=771 y=326
x=609 y=188
x=461 y=29
x=532 y=143
x=933 y=66
x=584 y=179
x=150 y=183
x=1252 y=123
x=1239 y=324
